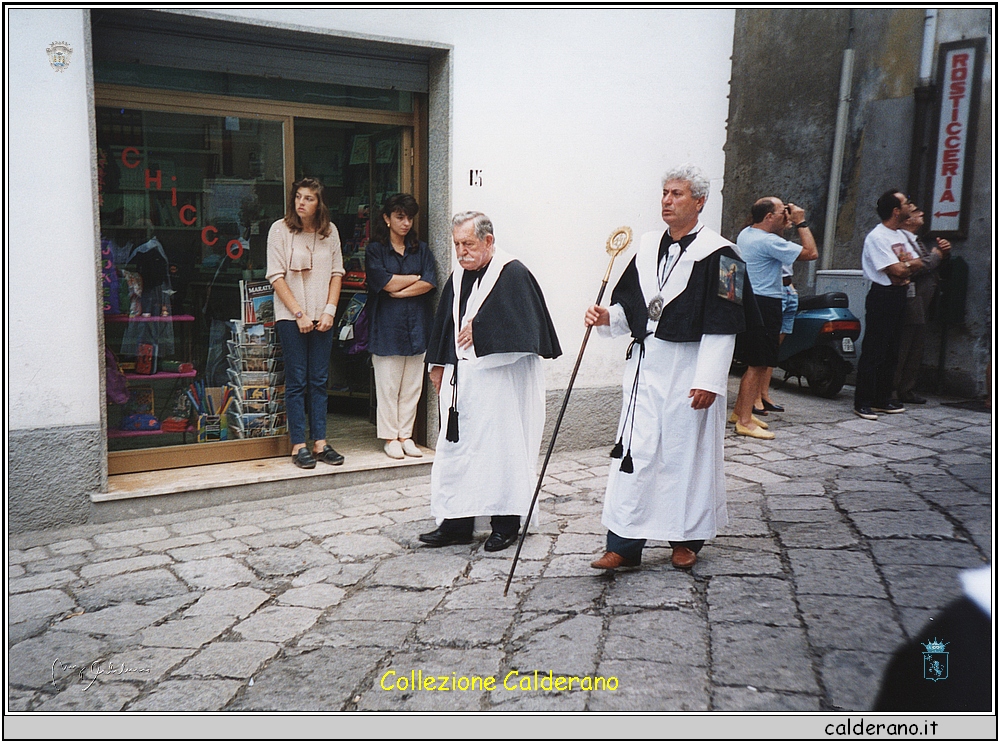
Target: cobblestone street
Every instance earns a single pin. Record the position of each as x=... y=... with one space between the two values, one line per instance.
x=845 y=538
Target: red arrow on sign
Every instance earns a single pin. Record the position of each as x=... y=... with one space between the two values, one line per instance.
x=946 y=214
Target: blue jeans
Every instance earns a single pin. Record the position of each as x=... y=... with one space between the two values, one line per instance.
x=631 y=549
x=789 y=306
x=307 y=366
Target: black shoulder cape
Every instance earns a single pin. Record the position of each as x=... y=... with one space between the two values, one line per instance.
x=513 y=318
x=696 y=311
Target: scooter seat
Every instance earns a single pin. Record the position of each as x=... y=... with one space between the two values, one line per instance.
x=822 y=301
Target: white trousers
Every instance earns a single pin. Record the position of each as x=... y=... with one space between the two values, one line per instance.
x=398 y=383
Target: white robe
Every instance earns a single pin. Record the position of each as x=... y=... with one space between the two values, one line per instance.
x=491 y=469
x=677 y=490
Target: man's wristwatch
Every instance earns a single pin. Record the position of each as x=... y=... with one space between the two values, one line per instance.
x=800 y=225
x=298 y=315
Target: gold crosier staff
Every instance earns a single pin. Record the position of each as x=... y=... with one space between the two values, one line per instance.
x=618 y=242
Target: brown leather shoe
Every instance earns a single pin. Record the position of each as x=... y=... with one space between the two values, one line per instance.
x=683 y=558
x=613 y=561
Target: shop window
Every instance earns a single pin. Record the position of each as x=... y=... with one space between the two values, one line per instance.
x=185 y=203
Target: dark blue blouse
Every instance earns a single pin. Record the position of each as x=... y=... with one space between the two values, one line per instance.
x=398 y=326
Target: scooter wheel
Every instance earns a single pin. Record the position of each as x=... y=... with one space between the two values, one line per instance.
x=827 y=374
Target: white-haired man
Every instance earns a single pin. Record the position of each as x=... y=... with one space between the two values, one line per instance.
x=490 y=333
x=682 y=300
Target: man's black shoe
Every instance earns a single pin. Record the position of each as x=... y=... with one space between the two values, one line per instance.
x=866 y=413
x=443 y=537
x=889 y=407
x=911 y=398
x=499 y=541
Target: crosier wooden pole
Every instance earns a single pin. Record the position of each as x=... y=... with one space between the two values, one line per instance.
x=617 y=243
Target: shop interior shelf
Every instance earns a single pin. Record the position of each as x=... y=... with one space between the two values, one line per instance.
x=151 y=318
x=115 y=434
x=162 y=375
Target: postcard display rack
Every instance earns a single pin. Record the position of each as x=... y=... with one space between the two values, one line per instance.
x=257 y=379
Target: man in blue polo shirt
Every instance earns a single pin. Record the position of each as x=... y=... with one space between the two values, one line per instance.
x=765 y=252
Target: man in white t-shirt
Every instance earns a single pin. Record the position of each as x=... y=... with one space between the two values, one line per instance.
x=887 y=262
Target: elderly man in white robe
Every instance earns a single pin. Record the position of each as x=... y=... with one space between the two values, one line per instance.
x=683 y=300
x=490 y=333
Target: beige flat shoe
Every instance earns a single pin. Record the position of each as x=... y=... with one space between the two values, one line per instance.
x=393 y=449
x=755 y=433
x=756 y=421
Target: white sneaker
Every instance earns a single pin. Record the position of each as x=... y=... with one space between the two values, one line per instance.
x=394 y=449
x=410 y=449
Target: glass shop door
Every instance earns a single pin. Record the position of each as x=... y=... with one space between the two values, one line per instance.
x=360 y=165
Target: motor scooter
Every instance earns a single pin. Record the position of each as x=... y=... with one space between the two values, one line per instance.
x=821 y=344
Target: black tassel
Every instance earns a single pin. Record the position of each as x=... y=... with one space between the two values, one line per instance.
x=452 y=433
x=616 y=452
x=627 y=463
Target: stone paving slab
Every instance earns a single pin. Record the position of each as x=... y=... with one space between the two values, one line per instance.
x=187 y=633
x=852 y=678
x=668 y=636
x=836 y=573
x=773 y=658
x=642 y=685
x=123 y=619
x=91 y=697
x=845 y=537
x=772 y=599
x=277 y=623
x=317 y=679
x=236 y=602
x=129 y=587
x=196 y=696
x=229 y=659
x=435 y=668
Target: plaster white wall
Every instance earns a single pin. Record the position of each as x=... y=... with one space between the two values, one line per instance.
x=572 y=116
x=52 y=347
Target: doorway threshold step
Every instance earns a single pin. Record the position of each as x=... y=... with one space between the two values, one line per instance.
x=143 y=494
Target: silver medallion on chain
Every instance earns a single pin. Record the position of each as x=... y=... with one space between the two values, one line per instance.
x=655 y=308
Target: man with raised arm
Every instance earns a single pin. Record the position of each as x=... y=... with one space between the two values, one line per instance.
x=887 y=261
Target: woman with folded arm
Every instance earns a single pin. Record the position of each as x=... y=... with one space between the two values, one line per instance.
x=400 y=272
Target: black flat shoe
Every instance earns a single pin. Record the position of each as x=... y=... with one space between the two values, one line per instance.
x=302 y=458
x=443 y=537
x=759 y=411
x=768 y=405
x=498 y=541
x=329 y=455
